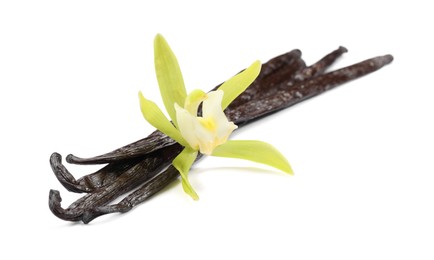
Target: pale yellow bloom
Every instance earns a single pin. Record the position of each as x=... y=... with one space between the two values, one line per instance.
x=208 y=131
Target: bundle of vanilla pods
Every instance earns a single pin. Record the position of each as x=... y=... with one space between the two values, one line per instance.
x=143 y=168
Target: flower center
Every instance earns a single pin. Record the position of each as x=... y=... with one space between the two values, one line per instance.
x=208 y=123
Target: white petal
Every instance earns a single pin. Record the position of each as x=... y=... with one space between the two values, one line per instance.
x=212 y=110
x=187 y=126
x=224 y=131
x=212 y=106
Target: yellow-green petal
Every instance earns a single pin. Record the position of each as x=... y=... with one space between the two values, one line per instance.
x=152 y=113
x=193 y=101
x=169 y=76
x=236 y=85
x=255 y=151
x=183 y=164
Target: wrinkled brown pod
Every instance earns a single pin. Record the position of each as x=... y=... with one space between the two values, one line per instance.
x=144 y=166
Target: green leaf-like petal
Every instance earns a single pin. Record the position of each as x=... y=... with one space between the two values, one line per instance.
x=193 y=100
x=255 y=151
x=183 y=164
x=152 y=113
x=234 y=86
x=169 y=76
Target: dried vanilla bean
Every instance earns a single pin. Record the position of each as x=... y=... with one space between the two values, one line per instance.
x=128 y=180
x=290 y=93
x=284 y=81
x=88 y=183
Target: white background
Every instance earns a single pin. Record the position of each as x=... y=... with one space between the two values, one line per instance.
x=362 y=154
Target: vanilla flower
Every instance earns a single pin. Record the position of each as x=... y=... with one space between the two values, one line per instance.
x=208 y=133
